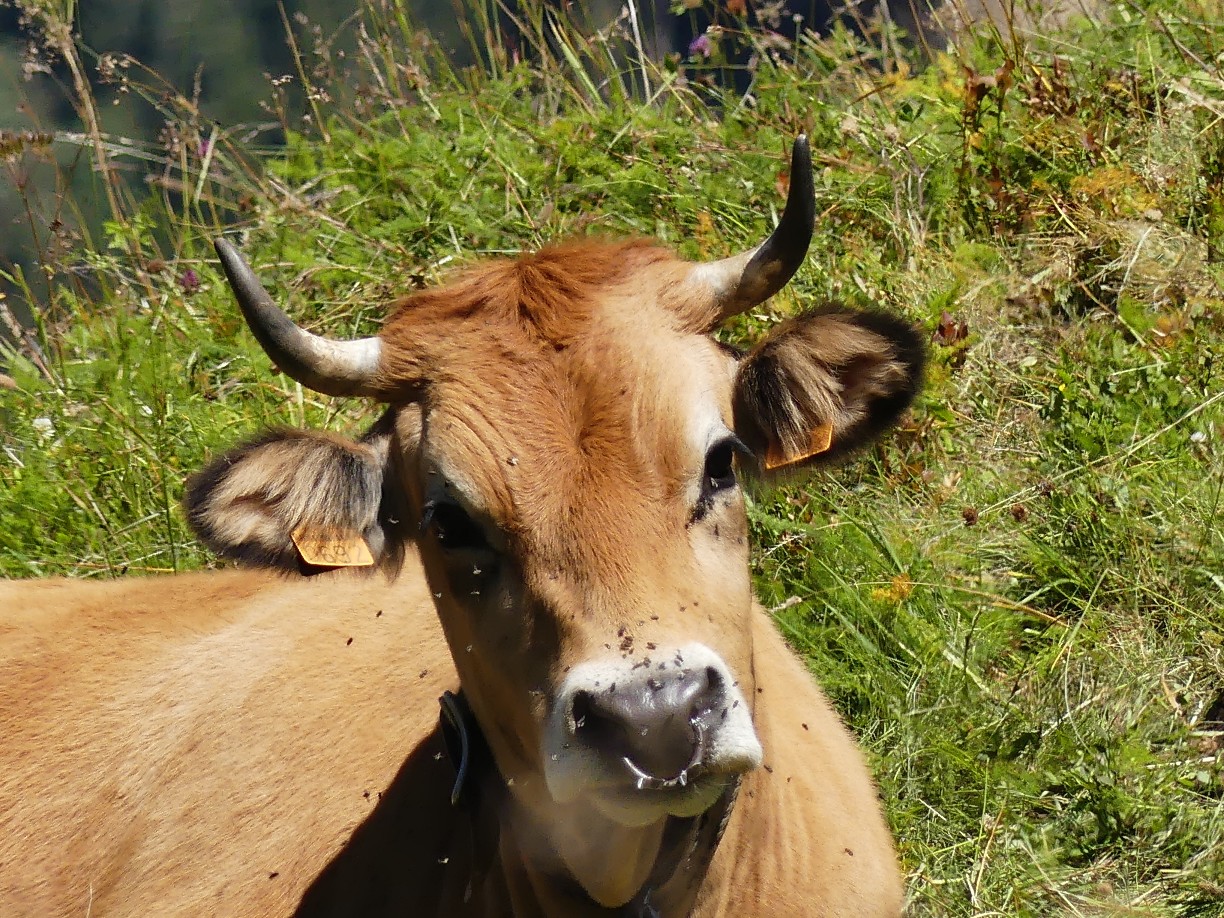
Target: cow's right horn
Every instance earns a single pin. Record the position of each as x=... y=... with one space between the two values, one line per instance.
x=330 y=367
x=739 y=282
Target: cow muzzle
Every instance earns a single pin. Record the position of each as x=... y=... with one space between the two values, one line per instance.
x=648 y=737
x=655 y=725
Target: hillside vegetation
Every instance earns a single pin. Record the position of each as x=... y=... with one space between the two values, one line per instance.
x=1017 y=600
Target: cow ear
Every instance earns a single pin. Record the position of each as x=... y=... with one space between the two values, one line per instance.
x=823 y=384
x=298 y=500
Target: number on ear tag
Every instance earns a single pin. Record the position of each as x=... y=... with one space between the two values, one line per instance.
x=332 y=547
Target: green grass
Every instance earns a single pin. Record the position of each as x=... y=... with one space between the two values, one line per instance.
x=1017 y=600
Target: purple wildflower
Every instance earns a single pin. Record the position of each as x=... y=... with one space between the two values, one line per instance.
x=700 y=45
x=189 y=281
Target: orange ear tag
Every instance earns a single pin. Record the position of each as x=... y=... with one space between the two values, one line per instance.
x=821 y=440
x=332 y=547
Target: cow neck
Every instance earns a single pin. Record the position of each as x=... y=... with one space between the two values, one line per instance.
x=685 y=854
x=685 y=857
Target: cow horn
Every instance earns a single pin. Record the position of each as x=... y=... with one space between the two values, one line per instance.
x=742 y=281
x=330 y=367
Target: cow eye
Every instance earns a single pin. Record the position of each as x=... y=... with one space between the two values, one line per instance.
x=717 y=476
x=454 y=529
x=719 y=468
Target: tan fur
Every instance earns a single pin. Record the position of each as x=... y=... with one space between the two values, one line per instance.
x=541 y=300
x=206 y=744
x=168 y=744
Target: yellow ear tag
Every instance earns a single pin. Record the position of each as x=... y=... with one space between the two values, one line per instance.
x=332 y=547
x=821 y=440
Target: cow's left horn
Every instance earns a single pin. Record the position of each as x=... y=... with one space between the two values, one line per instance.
x=742 y=281
x=330 y=367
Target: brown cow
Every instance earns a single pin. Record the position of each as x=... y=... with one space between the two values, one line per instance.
x=551 y=508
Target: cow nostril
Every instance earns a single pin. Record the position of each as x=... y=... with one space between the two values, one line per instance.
x=589 y=719
x=580 y=710
x=707 y=694
x=593 y=724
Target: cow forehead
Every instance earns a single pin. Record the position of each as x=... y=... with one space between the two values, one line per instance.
x=621 y=417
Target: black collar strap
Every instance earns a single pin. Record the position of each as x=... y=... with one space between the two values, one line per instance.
x=467 y=750
x=478 y=786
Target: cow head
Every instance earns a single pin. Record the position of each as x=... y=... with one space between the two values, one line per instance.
x=564 y=441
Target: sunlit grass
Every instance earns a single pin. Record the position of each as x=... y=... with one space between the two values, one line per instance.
x=1017 y=600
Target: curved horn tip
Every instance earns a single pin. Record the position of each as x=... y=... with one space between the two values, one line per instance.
x=742 y=281
x=801 y=152
x=327 y=366
x=241 y=276
x=802 y=191
x=227 y=253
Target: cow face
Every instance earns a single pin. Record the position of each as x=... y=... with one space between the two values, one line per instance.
x=565 y=443
x=584 y=536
